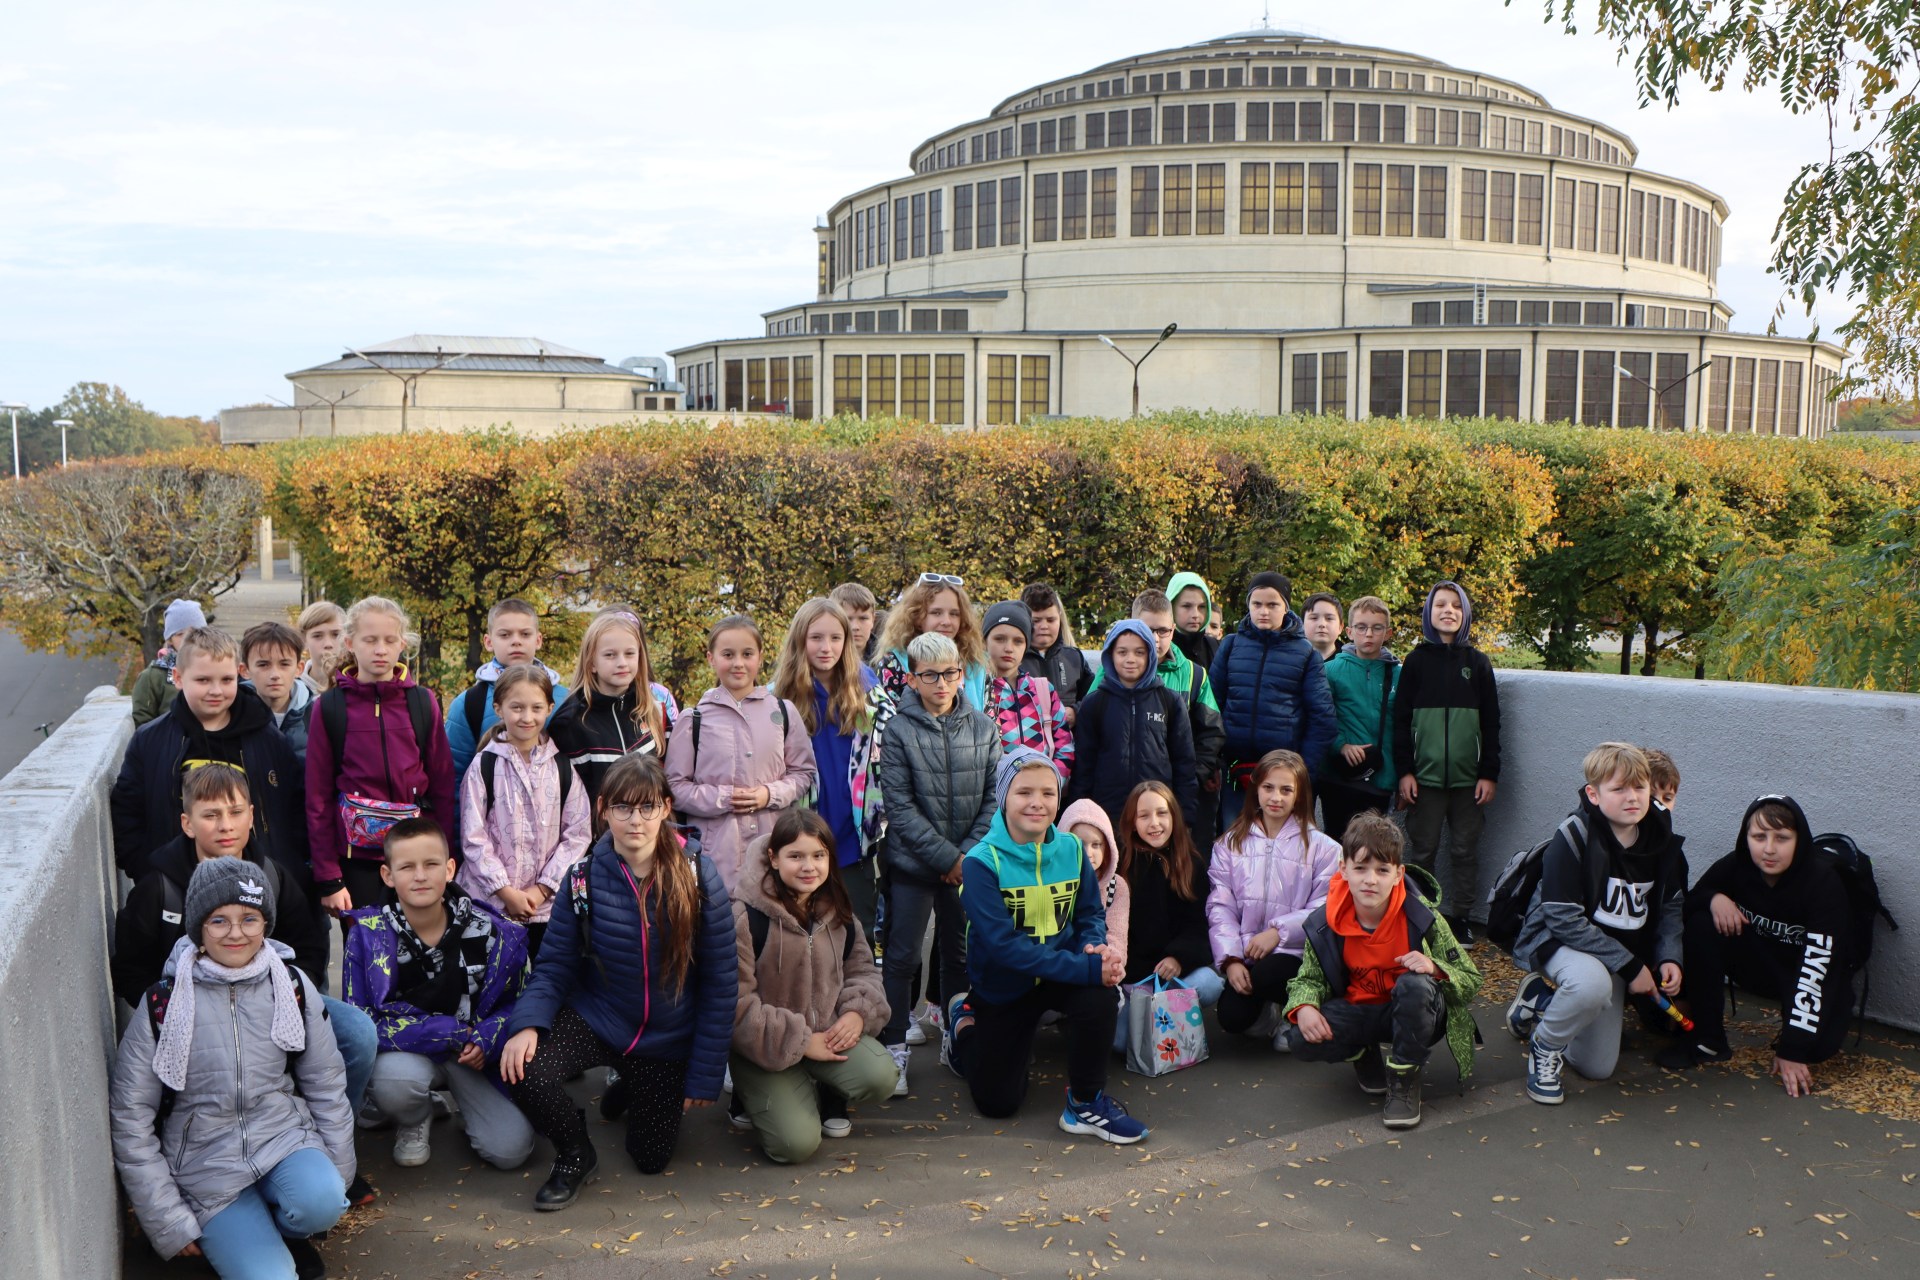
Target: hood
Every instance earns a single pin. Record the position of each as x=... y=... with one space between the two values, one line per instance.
x=1656 y=828
x=1053 y=860
x=751 y=888
x=1343 y=915
x=1803 y=835
x=1466 y=614
x=163 y=660
x=1091 y=814
x=1181 y=581
x=492 y=669
x=348 y=679
x=719 y=697
x=1386 y=655
x=1134 y=627
x=297 y=699
x=543 y=751
x=249 y=714
x=1289 y=629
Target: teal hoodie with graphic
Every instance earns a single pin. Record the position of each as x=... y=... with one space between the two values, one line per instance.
x=1032 y=910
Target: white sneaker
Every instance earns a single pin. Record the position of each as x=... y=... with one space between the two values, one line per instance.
x=1267 y=1023
x=900 y=1054
x=410 y=1146
x=916 y=1034
x=836 y=1127
x=726 y=1081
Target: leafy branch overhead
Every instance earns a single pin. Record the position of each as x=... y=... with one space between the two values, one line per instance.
x=1847 y=221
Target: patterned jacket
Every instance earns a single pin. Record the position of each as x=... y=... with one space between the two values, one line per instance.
x=1031 y=714
x=367 y=982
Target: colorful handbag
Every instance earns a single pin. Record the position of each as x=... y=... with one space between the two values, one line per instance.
x=367 y=821
x=1165 y=1029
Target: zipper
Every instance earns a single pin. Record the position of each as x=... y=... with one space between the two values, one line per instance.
x=646 y=958
x=239 y=1073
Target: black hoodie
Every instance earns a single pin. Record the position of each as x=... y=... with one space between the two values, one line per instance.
x=145 y=801
x=1621 y=906
x=1802 y=920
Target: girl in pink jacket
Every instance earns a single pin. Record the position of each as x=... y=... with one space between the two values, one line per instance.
x=1089 y=822
x=525 y=817
x=1269 y=872
x=741 y=755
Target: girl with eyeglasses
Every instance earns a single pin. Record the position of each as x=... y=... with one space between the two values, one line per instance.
x=936 y=603
x=741 y=755
x=637 y=972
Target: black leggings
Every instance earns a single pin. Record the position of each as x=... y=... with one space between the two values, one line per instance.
x=1270 y=974
x=994 y=1054
x=364 y=885
x=656 y=1091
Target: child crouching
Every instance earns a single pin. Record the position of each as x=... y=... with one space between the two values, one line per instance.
x=811 y=1002
x=1381 y=971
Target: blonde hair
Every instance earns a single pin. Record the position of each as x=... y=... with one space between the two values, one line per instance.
x=518 y=674
x=1369 y=604
x=793 y=673
x=205 y=642
x=1617 y=760
x=647 y=714
x=319 y=614
x=377 y=604
x=909 y=619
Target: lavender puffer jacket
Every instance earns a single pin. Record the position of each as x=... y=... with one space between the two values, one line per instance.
x=1270 y=882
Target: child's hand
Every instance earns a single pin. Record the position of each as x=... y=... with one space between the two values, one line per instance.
x=1354 y=755
x=1112 y=970
x=336 y=903
x=749 y=799
x=1483 y=791
x=1238 y=978
x=845 y=1032
x=1418 y=962
x=819 y=1050
x=1670 y=978
x=471 y=1055
x=1409 y=791
x=1795 y=1076
x=1728 y=918
x=517 y=1054
x=190 y=1250
x=1168 y=969
x=1642 y=984
x=515 y=903
x=1261 y=945
x=688 y=1104
x=1313 y=1027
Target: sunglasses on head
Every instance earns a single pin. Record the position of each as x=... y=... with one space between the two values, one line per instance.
x=943 y=580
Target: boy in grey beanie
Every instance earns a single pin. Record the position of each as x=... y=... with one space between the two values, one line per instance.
x=154 y=691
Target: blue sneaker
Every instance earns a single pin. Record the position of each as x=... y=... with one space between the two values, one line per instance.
x=959 y=1014
x=1528 y=1003
x=1103 y=1118
x=1544 y=1062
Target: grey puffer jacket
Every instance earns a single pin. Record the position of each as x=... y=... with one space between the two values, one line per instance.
x=937 y=775
x=247 y=1106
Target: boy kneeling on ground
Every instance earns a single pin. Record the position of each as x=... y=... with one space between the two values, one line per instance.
x=439 y=972
x=1038 y=929
x=1382 y=978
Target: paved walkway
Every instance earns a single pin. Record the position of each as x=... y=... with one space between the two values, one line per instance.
x=1258 y=1166
x=251 y=600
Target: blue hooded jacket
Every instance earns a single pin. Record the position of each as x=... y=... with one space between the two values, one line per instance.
x=1125 y=736
x=1273 y=694
x=1032 y=910
x=621 y=986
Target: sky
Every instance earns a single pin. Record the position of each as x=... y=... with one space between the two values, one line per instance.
x=197 y=199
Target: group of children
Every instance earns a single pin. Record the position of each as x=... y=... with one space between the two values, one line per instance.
x=750 y=896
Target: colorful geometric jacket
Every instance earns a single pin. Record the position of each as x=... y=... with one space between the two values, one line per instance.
x=368 y=984
x=1031 y=714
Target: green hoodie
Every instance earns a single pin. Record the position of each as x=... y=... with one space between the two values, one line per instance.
x=1181 y=581
x=1357 y=701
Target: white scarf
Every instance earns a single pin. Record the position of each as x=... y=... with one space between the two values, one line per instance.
x=289 y=1029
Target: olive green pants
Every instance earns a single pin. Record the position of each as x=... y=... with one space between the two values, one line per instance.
x=785 y=1105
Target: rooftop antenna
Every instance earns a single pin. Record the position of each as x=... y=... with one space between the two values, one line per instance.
x=1266 y=17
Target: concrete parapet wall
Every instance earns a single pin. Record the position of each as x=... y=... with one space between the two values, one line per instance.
x=1847 y=757
x=59 y=1210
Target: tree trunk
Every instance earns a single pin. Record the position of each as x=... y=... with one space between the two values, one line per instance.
x=150 y=637
x=1651 y=666
x=1700 y=669
x=476 y=629
x=1626 y=650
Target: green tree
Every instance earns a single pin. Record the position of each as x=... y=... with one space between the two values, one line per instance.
x=92 y=555
x=1848 y=222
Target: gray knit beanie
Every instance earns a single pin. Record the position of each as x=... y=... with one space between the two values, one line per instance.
x=182 y=615
x=219 y=882
x=1008 y=613
x=1012 y=765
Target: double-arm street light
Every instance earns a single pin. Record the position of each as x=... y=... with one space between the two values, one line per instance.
x=1659 y=391
x=1164 y=335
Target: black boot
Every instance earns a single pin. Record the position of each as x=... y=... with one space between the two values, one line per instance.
x=307 y=1262
x=1403 y=1097
x=1372 y=1071
x=573 y=1168
x=1691 y=1052
x=613 y=1099
x=360 y=1192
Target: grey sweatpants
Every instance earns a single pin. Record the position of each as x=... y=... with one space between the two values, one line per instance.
x=402 y=1086
x=1584 y=1015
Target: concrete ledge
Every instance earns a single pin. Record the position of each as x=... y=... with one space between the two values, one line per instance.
x=1847 y=757
x=59 y=1206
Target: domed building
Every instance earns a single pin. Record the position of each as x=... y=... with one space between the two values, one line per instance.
x=1333 y=228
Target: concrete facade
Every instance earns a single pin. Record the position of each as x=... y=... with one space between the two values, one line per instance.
x=1335 y=228
x=59 y=1205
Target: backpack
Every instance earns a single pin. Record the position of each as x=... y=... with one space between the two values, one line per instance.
x=476 y=708
x=580 y=893
x=786 y=732
x=1519 y=880
x=1854 y=866
x=332 y=707
x=490 y=764
x=759 y=923
x=160 y=995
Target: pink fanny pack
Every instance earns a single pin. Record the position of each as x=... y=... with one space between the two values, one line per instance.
x=367 y=821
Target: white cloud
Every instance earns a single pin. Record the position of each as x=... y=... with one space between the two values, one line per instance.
x=194 y=200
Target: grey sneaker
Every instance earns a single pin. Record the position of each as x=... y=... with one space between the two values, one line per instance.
x=1269 y=1024
x=1369 y=1066
x=1403 y=1097
x=901 y=1053
x=410 y=1146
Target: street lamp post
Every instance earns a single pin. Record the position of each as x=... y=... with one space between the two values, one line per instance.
x=1164 y=335
x=1661 y=390
x=64 y=424
x=13 y=409
x=407 y=380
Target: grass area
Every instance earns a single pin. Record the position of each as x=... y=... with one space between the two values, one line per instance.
x=1521 y=658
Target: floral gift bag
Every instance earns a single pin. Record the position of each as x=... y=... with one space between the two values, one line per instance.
x=1165 y=1029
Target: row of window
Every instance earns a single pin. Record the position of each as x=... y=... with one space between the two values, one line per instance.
x=1494 y=206
x=1309 y=120
x=1533 y=311
x=926 y=388
x=1751 y=396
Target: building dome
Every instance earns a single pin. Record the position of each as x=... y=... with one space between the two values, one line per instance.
x=1334 y=227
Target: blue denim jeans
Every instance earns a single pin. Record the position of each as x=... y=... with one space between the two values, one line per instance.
x=353 y=1031
x=301 y=1196
x=1206 y=983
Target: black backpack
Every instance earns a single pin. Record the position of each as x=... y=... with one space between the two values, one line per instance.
x=490 y=764
x=476 y=707
x=332 y=706
x=1513 y=890
x=1854 y=866
x=759 y=924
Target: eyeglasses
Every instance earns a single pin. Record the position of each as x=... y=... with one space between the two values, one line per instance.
x=932 y=678
x=628 y=812
x=249 y=924
x=1163 y=633
x=1368 y=628
x=942 y=580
